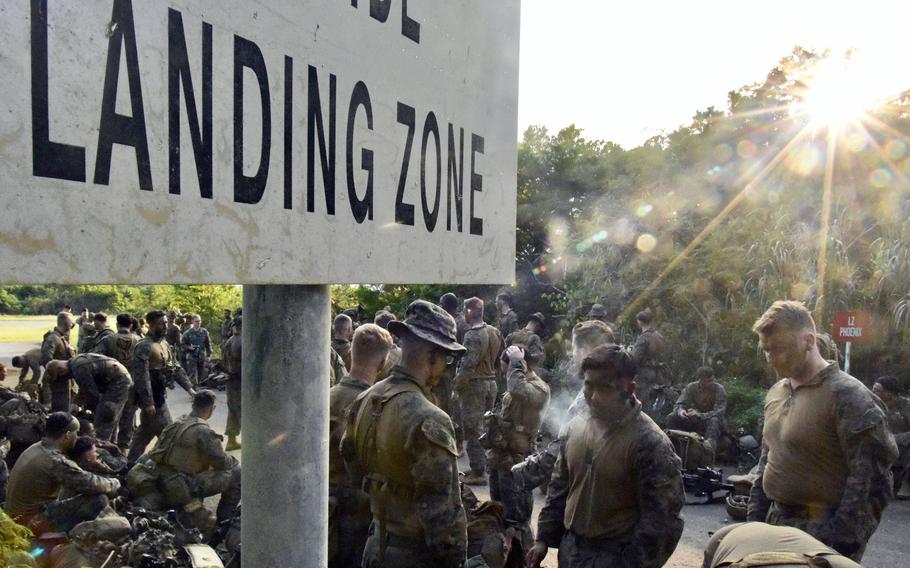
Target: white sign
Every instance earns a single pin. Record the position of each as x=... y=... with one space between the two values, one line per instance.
x=258 y=141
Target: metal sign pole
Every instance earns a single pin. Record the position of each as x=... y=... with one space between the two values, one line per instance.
x=847 y=357
x=285 y=425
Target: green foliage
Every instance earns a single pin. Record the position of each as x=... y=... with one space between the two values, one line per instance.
x=745 y=405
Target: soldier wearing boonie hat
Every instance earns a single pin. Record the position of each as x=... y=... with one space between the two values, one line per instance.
x=402 y=446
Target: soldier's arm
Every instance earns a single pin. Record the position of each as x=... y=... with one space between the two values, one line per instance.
x=517 y=381
x=208 y=444
x=102 y=346
x=184 y=381
x=87 y=385
x=47 y=349
x=470 y=359
x=437 y=492
x=640 y=349
x=208 y=344
x=349 y=448
x=76 y=480
x=870 y=449
x=660 y=499
x=550 y=520
x=759 y=504
x=140 y=373
x=25 y=367
x=720 y=404
x=683 y=402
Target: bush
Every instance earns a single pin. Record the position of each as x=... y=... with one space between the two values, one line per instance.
x=745 y=405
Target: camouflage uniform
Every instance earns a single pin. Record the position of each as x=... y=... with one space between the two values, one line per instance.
x=232 y=355
x=745 y=545
x=476 y=387
x=105 y=384
x=40 y=476
x=31 y=362
x=89 y=343
x=192 y=464
x=198 y=348
x=508 y=323
x=349 y=506
x=646 y=354
x=826 y=460
x=710 y=402
x=518 y=422
x=226 y=329
x=173 y=335
x=614 y=501
x=529 y=341
x=152 y=360
x=120 y=346
x=343 y=348
x=404 y=447
x=56 y=346
x=899 y=421
x=337 y=370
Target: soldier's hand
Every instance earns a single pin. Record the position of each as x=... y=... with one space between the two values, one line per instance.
x=192 y=393
x=116 y=486
x=150 y=410
x=536 y=555
x=515 y=352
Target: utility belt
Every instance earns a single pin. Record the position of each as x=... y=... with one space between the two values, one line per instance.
x=812 y=512
x=779 y=558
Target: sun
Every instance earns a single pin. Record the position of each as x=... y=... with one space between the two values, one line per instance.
x=841 y=90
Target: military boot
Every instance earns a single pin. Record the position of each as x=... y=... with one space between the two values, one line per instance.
x=472 y=478
x=232 y=444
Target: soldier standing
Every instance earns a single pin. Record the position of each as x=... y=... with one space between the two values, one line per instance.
x=153 y=366
x=888 y=389
x=827 y=451
x=83 y=327
x=232 y=355
x=349 y=512
x=475 y=383
x=101 y=330
x=598 y=312
x=192 y=464
x=514 y=437
x=342 y=330
x=104 y=383
x=616 y=494
x=508 y=319
x=403 y=446
x=43 y=472
x=226 y=326
x=530 y=336
x=56 y=345
x=173 y=335
x=701 y=407
x=646 y=354
x=198 y=349
x=120 y=346
x=383 y=319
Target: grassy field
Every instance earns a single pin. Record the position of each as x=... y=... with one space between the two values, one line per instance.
x=24 y=329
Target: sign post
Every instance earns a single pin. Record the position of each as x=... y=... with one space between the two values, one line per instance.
x=851 y=327
x=280 y=144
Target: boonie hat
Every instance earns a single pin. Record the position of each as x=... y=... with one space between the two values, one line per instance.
x=597 y=311
x=430 y=323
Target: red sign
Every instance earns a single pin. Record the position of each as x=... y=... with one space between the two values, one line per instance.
x=855 y=327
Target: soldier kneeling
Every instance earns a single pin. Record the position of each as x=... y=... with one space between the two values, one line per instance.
x=190 y=464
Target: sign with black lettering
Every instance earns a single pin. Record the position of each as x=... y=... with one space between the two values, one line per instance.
x=855 y=327
x=258 y=141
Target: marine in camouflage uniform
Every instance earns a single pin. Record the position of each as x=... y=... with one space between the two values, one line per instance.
x=646 y=353
x=475 y=383
x=349 y=505
x=173 y=336
x=198 y=348
x=232 y=355
x=103 y=382
x=28 y=361
x=342 y=330
x=701 y=407
x=153 y=364
x=747 y=545
x=517 y=424
x=403 y=447
x=827 y=451
x=43 y=473
x=617 y=492
x=898 y=408
x=120 y=346
x=193 y=465
x=445 y=394
x=56 y=346
x=226 y=327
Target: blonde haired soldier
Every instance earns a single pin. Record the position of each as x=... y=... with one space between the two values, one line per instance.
x=827 y=450
x=349 y=507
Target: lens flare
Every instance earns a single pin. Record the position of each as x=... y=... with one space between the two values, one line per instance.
x=880 y=178
x=646 y=243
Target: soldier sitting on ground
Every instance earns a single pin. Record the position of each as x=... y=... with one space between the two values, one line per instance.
x=192 y=465
x=42 y=473
x=701 y=408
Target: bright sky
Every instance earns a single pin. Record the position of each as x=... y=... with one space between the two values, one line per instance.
x=624 y=71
